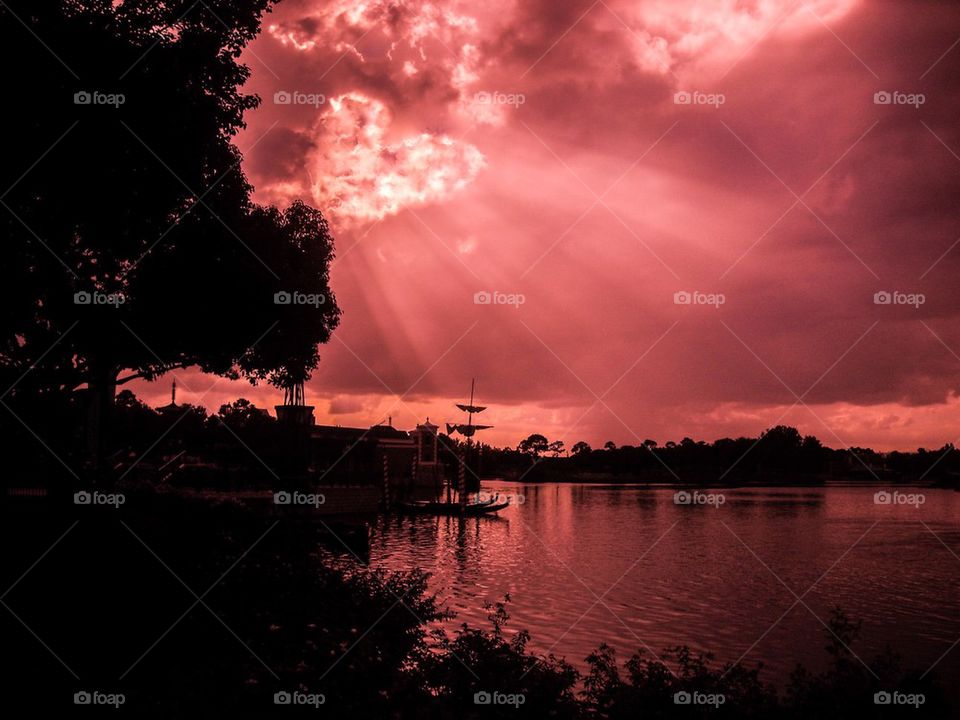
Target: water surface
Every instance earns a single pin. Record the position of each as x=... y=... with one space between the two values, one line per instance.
x=754 y=579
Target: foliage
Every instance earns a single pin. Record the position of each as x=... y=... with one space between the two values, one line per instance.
x=535 y=445
x=131 y=243
x=779 y=455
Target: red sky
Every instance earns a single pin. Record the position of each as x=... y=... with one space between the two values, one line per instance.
x=536 y=148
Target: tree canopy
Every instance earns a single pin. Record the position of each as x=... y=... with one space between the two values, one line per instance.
x=534 y=445
x=132 y=244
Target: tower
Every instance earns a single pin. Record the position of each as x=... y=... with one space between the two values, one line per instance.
x=294 y=411
x=429 y=470
x=295 y=417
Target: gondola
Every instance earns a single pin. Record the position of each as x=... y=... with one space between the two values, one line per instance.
x=479 y=507
x=430 y=507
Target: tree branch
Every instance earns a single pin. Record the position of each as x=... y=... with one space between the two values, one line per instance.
x=165 y=369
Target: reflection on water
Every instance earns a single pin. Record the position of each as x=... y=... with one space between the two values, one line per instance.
x=752 y=578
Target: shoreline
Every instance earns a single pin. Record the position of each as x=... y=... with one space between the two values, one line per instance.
x=614 y=481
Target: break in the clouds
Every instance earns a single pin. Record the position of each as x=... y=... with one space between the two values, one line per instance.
x=597 y=159
x=360 y=175
x=366 y=70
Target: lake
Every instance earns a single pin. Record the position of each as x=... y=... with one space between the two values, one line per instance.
x=626 y=565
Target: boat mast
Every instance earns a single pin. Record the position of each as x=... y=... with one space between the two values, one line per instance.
x=473 y=383
x=468 y=429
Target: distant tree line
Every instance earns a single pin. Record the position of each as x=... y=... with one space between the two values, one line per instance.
x=246 y=438
x=780 y=453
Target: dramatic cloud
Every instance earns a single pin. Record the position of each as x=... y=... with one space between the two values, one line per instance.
x=361 y=176
x=588 y=167
x=713 y=34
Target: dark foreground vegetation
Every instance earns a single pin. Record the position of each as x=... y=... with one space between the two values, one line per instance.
x=190 y=611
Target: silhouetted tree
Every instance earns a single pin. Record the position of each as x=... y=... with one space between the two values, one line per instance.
x=130 y=241
x=779 y=447
x=581 y=448
x=535 y=445
x=242 y=414
x=138 y=425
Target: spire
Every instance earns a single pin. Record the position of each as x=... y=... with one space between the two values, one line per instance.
x=173 y=393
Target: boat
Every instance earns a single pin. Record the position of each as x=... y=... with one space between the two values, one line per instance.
x=430 y=507
x=457 y=502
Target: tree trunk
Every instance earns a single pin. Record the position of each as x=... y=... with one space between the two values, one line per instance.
x=101 y=391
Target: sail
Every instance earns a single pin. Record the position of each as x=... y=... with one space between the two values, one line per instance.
x=466 y=430
x=471 y=408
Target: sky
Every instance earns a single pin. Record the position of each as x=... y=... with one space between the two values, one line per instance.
x=626 y=220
